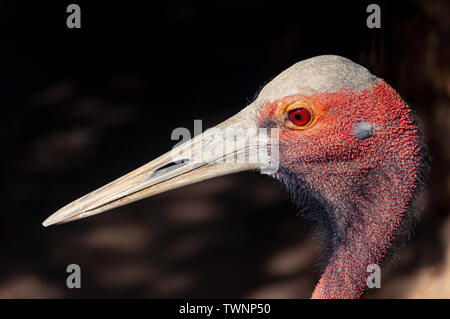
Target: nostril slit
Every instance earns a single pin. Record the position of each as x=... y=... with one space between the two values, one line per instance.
x=166 y=168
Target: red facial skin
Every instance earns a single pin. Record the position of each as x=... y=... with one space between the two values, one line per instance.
x=365 y=185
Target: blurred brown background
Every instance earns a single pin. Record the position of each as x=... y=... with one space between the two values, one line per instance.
x=81 y=107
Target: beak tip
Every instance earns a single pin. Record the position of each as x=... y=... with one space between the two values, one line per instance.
x=48 y=222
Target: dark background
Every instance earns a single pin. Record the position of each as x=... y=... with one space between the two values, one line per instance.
x=81 y=107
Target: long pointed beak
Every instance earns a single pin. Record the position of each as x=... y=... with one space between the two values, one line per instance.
x=232 y=146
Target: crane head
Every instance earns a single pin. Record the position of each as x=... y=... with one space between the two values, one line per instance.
x=341 y=140
x=327 y=109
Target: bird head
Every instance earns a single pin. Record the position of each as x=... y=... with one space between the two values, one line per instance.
x=346 y=140
x=341 y=140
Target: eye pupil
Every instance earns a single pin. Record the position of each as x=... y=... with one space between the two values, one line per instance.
x=300 y=116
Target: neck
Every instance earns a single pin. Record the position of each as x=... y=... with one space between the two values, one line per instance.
x=366 y=213
x=360 y=213
x=366 y=237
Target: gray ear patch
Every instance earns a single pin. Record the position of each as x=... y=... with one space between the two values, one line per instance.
x=363 y=130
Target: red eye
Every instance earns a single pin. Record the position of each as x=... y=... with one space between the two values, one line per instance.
x=300 y=116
